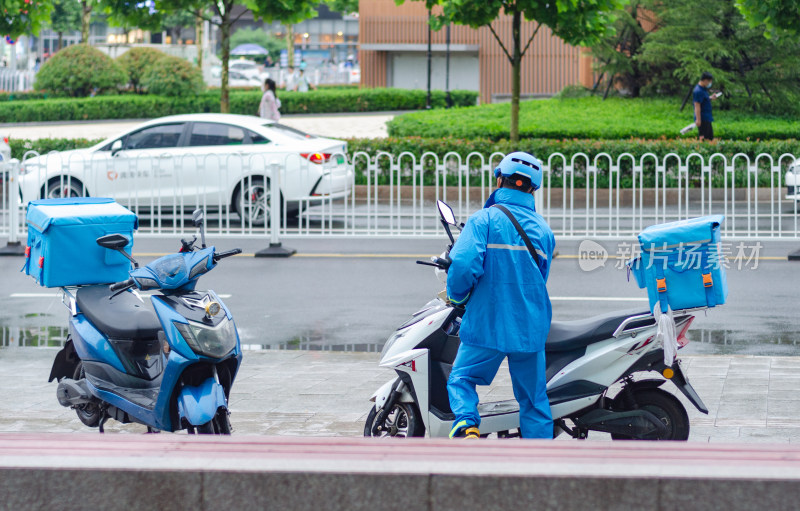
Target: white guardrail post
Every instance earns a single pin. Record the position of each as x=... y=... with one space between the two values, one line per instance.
x=14 y=246
x=275 y=249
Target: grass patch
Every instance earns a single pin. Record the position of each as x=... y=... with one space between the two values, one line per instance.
x=590 y=118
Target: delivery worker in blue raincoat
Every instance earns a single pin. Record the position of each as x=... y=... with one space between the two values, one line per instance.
x=508 y=311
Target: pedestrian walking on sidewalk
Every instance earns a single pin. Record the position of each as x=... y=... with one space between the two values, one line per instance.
x=702 y=107
x=270 y=104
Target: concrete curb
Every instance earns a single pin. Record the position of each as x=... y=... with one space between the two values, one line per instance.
x=180 y=472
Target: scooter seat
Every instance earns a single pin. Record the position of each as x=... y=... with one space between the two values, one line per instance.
x=123 y=316
x=570 y=335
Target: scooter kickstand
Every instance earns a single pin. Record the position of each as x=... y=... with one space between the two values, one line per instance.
x=103 y=419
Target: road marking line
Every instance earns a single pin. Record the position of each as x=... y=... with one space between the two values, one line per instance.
x=410 y=256
x=56 y=295
x=596 y=299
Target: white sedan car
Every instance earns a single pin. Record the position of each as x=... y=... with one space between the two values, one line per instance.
x=5 y=149
x=792 y=180
x=217 y=161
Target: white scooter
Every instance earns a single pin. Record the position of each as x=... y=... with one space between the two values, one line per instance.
x=585 y=358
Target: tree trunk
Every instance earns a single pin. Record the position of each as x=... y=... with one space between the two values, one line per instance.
x=198 y=31
x=86 y=20
x=60 y=41
x=225 y=32
x=290 y=44
x=516 y=71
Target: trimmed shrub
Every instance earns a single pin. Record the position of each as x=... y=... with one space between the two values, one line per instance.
x=136 y=62
x=173 y=76
x=131 y=106
x=79 y=70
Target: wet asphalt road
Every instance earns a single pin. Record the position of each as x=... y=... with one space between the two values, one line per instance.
x=351 y=294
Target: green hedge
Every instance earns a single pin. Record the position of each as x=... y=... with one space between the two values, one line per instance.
x=590 y=117
x=542 y=148
x=129 y=106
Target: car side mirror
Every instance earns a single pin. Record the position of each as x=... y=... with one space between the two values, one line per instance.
x=116 y=147
x=446 y=212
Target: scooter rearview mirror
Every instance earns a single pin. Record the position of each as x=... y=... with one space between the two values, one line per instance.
x=197 y=217
x=446 y=212
x=198 y=220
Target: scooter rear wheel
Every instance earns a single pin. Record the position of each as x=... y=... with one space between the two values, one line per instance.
x=663 y=405
x=402 y=421
x=89 y=413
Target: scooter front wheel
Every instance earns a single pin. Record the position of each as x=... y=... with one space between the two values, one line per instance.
x=403 y=420
x=219 y=425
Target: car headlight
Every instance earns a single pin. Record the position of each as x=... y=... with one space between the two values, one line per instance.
x=211 y=341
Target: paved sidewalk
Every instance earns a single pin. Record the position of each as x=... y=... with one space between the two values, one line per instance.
x=314 y=393
x=357 y=125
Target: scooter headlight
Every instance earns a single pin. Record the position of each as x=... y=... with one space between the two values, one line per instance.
x=211 y=341
x=395 y=336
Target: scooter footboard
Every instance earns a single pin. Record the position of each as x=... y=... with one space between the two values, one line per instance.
x=199 y=404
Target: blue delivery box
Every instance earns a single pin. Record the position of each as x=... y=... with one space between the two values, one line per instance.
x=62 y=248
x=681 y=264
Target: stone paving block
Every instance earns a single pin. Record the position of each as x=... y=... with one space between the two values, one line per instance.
x=80 y=490
x=734 y=495
x=783 y=409
x=786 y=395
x=300 y=491
x=784 y=384
x=453 y=493
x=705 y=432
x=775 y=434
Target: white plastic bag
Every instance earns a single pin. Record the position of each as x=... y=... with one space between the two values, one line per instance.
x=667 y=334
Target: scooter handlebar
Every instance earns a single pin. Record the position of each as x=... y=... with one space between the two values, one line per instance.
x=125 y=284
x=222 y=255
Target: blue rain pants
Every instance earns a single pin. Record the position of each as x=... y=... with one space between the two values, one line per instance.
x=475 y=365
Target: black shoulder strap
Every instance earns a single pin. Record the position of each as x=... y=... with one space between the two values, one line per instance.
x=521 y=232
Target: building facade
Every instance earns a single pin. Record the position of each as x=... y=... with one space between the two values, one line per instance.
x=394 y=44
x=329 y=37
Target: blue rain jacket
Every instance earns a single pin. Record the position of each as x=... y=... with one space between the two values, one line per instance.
x=509 y=308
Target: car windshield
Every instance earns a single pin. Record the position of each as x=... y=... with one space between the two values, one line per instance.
x=289 y=132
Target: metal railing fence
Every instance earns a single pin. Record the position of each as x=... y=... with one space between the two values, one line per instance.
x=16 y=80
x=394 y=195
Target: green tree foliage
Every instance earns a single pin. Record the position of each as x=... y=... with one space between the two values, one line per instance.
x=257 y=36
x=221 y=13
x=176 y=22
x=713 y=36
x=172 y=76
x=779 y=16
x=617 y=54
x=79 y=70
x=19 y=17
x=577 y=22
x=66 y=17
x=136 y=62
x=343 y=6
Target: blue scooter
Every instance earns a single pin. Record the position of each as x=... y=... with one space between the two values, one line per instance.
x=167 y=361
